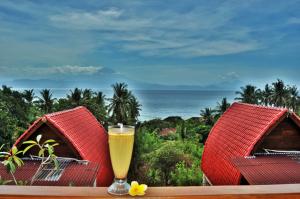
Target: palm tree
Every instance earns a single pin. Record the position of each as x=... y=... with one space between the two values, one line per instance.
x=120 y=103
x=6 y=90
x=223 y=106
x=135 y=108
x=87 y=94
x=280 y=94
x=75 y=96
x=293 y=98
x=207 y=116
x=100 y=99
x=266 y=95
x=46 y=101
x=28 y=95
x=248 y=94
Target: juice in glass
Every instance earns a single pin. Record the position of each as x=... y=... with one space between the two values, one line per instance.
x=120 y=140
x=120 y=148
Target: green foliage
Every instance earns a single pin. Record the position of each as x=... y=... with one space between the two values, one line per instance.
x=222 y=107
x=171 y=136
x=46 y=101
x=11 y=161
x=156 y=159
x=164 y=160
x=14 y=115
x=94 y=101
x=207 y=116
x=4 y=182
x=186 y=176
x=173 y=120
x=156 y=125
x=278 y=94
x=248 y=94
x=124 y=107
x=46 y=149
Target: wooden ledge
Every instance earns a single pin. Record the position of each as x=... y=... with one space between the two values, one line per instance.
x=207 y=192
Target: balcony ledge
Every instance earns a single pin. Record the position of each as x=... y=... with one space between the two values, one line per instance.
x=224 y=192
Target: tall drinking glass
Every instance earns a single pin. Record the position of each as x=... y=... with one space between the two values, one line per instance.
x=120 y=139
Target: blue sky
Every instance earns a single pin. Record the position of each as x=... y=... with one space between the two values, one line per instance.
x=164 y=42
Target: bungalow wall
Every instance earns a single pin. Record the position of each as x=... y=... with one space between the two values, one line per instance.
x=286 y=136
x=64 y=149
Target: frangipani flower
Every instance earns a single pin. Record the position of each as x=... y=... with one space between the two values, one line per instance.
x=136 y=189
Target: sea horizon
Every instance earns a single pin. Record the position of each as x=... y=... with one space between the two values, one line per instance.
x=163 y=103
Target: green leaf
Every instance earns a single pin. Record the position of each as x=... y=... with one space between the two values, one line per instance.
x=5 y=162
x=4 y=182
x=19 y=152
x=18 y=161
x=29 y=142
x=38 y=138
x=49 y=141
x=56 y=144
x=1 y=146
x=12 y=167
x=27 y=148
x=41 y=153
x=14 y=150
x=50 y=150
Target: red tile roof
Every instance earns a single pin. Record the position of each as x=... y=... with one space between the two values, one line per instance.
x=234 y=135
x=269 y=169
x=85 y=133
x=167 y=131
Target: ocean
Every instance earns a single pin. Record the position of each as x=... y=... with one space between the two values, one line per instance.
x=164 y=103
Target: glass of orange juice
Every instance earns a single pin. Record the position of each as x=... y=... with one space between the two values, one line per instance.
x=120 y=139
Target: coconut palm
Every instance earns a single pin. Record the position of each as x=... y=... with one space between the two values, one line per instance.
x=266 y=95
x=207 y=116
x=87 y=94
x=135 y=108
x=293 y=98
x=280 y=94
x=75 y=96
x=119 y=107
x=248 y=94
x=223 y=106
x=6 y=90
x=46 y=100
x=100 y=99
x=28 y=95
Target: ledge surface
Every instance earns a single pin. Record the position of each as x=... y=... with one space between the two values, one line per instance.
x=224 y=192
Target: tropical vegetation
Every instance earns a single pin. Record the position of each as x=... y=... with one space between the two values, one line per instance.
x=158 y=159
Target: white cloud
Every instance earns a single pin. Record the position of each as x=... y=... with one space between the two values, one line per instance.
x=69 y=69
x=203 y=31
x=110 y=19
x=38 y=72
x=230 y=76
x=66 y=34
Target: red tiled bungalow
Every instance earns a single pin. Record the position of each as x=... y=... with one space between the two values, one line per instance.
x=79 y=135
x=244 y=130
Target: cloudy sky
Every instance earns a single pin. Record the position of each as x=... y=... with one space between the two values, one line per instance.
x=165 y=42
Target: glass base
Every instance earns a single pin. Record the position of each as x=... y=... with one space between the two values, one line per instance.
x=119 y=187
